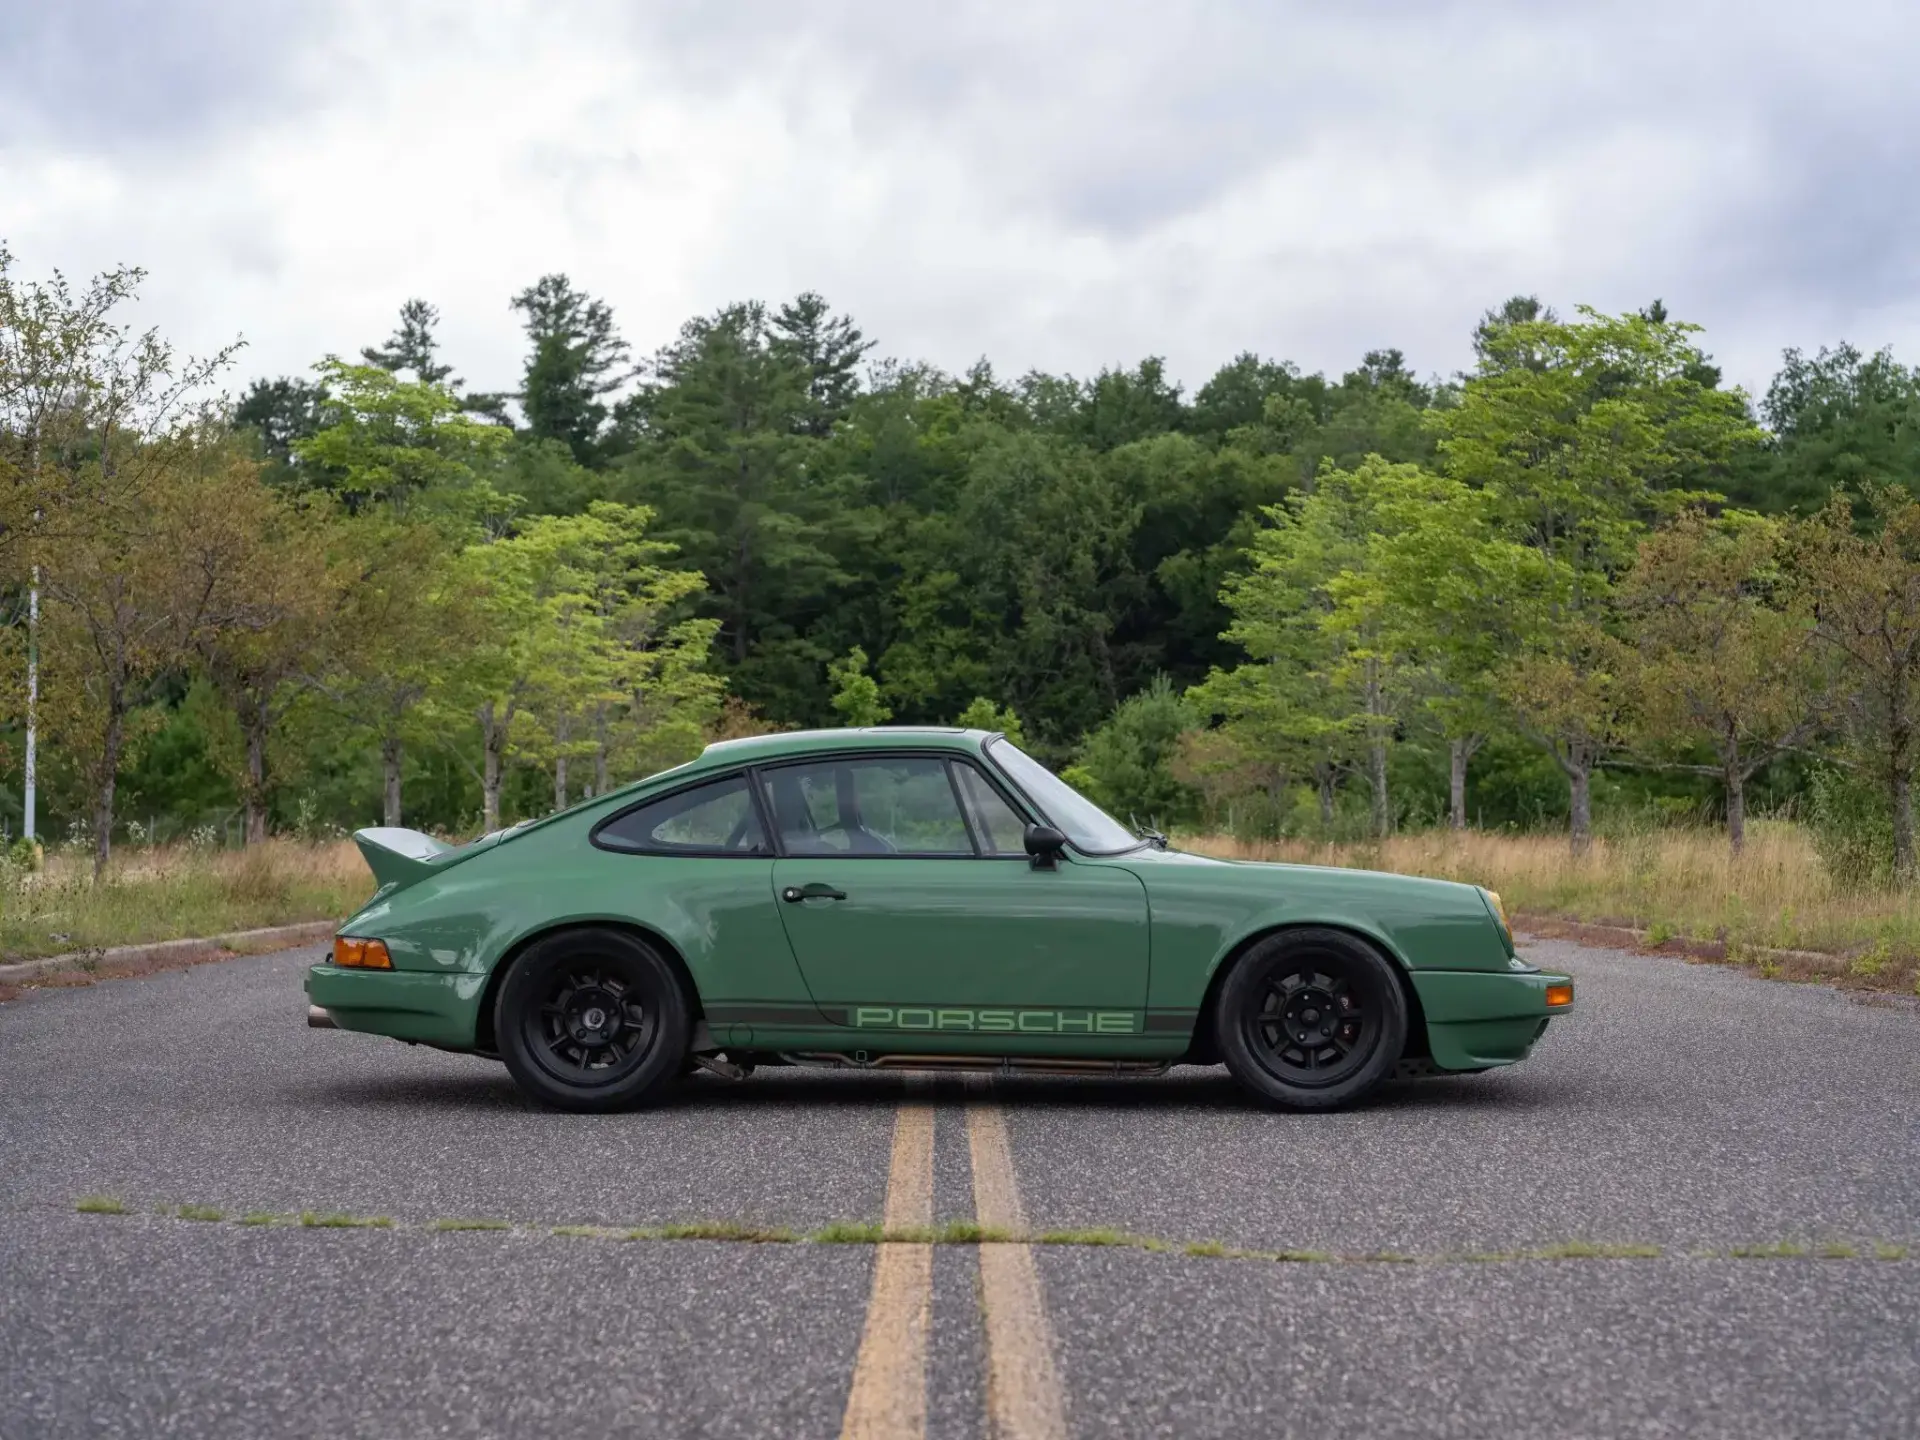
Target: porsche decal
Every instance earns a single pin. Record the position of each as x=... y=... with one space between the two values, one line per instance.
x=1003 y=1022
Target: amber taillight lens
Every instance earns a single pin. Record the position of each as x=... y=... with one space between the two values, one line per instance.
x=353 y=953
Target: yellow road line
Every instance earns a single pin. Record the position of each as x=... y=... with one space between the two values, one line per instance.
x=1024 y=1399
x=888 y=1400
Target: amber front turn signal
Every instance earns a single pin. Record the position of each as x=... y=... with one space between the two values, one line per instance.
x=1557 y=995
x=352 y=953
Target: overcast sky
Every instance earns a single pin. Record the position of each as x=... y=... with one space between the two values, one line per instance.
x=1061 y=184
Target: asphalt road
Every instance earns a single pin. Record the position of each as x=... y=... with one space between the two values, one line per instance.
x=1686 y=1108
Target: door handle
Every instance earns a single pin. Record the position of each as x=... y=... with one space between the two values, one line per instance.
x=793 y=894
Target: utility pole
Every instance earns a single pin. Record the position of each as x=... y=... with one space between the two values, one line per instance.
x=33 y=698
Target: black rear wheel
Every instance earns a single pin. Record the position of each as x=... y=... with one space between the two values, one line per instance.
x=1311 y=1019
x=591 y=1020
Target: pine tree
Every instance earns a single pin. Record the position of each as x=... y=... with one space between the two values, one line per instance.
x=577 y=359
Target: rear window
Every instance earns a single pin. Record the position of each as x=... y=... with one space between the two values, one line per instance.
x=713 y=819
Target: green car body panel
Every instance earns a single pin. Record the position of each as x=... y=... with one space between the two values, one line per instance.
x=1102 y=956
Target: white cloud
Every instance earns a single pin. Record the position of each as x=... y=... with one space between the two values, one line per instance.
x=1053 y=185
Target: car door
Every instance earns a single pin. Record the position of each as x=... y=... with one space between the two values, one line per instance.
x=904 y=887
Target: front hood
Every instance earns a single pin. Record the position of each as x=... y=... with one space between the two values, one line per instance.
x=1265 y=873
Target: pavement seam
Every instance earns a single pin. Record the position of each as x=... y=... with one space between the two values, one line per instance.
x=964 y=1232
x=1025 y=1400
x=888 y=1395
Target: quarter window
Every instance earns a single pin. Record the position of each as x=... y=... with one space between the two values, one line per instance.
x=1000 y=831
x=893 y=805
x=715 y=819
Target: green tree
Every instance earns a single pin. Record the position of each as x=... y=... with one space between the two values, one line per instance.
x=287 y=581
x=720 y=460
x=281 y=413
x=1130 y=760
x=1722 y=652
x=576 y=360
x=1840 y=421
x=982 y=714
x=577 y=612
x=826 y=350
x=1583 y=432
x=413 y=347
x=402 y=444
x=135 y=589
x=1328 y=683
x=1863 y=591
x=856 y=694
x=1446 y=596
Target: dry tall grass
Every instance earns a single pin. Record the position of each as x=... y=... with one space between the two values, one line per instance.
x=1672 y=883
x=175 y=892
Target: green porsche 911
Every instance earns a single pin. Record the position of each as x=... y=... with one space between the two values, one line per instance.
x=912 y=898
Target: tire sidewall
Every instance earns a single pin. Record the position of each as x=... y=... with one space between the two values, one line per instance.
x=1243 y=987
x=526 y=983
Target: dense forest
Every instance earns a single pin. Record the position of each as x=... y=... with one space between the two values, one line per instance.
x=1580 y=583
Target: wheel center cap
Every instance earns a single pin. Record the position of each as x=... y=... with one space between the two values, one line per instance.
x=594 y=1018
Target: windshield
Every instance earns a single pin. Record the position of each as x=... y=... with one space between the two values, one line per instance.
x=1084 y=823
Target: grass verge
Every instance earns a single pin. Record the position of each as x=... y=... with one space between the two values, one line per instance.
x=174 y=893
x=1775 y=909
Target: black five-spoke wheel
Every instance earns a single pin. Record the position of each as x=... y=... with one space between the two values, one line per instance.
x=591 y=1020
x=1311 y=1018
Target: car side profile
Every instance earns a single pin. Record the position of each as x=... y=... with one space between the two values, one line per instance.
x=899 y=897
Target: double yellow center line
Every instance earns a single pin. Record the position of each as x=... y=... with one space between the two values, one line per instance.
x=888 y=1400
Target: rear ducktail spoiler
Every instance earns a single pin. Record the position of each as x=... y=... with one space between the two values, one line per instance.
x=398 y=857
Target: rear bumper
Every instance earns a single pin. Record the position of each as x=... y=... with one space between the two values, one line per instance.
x=406 y=1004
x=1477 y=1019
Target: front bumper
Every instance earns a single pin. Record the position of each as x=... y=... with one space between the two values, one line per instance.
x=406 y=1004
x=1477 y=1019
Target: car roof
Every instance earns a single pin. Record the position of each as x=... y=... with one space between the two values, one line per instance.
x=758 y=749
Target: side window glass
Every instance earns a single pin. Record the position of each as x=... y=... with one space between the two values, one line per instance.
x=870 y=806
x=710 y=819
x=1001 y=831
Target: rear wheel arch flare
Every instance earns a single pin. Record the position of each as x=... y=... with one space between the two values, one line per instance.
x=485 y=1039
x=1203 y=1033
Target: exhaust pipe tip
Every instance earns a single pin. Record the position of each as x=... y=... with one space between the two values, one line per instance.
x=318 y=1019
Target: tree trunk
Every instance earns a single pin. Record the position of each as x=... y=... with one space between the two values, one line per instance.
x=493 y=741
x=256 y=798
x=115 y=738
x=392 y=753
x=1579 y=770
x=559 y=782
x=1736 y=783
x=1900 y=753
x=600 y=768
x=1325 y=776
x=1377 y=776
x=1457 y=756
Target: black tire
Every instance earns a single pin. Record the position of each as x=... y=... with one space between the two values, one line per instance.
x=592 y=1020
x=1311 y=1019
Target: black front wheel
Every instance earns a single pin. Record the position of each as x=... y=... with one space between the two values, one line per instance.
x=591 y=1020
x=1311 y=1019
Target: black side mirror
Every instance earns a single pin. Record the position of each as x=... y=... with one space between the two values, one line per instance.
x=1044 y=844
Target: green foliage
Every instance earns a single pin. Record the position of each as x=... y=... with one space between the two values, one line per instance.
x=856 y=695
x=1852 y=825
x=575 y=360
x=983 y=714
x=1127 y=764
x=1283 y=602
x=404 y=444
